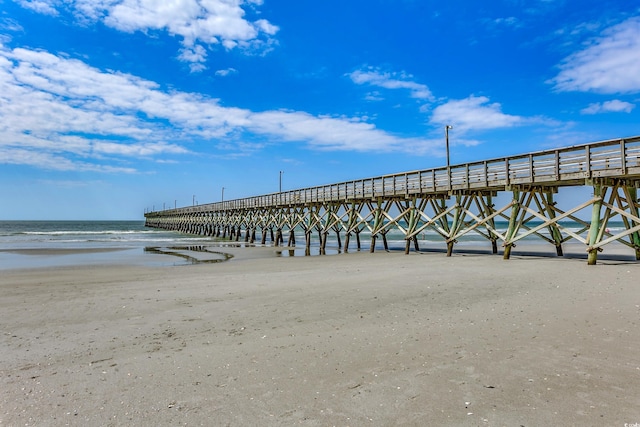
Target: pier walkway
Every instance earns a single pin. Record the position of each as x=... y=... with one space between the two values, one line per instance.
x=452 y=201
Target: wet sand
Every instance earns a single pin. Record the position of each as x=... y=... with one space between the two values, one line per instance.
x=378 y=339
x=60 y=251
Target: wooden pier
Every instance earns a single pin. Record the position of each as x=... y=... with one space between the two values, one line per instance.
x=452 y=201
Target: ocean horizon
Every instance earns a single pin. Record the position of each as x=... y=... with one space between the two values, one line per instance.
x=33 y=244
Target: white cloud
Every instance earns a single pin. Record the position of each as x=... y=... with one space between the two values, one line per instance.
x=613 y=106
x=195 y=53
x=18 y=156
x=41 y=6
x=474 y=112
x=226 y=72
x=374 y=96
x=609 y=64
x=196 y=22
x=60 y=113
x=196 y=56
x=376 y=77
x=267 y=26
x=327 y=133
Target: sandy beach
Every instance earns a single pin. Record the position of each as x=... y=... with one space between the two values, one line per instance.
x=382 y=339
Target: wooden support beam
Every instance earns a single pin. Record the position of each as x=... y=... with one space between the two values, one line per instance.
x=553 y=228
x=512 y=228
x=454 y=226
x=632 y=201
x=595 y=225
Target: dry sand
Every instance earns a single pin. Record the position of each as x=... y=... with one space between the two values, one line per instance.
x=380 y=339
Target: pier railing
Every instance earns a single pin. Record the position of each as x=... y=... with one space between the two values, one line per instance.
x=558 y=167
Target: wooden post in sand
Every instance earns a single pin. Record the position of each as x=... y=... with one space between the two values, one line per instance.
x=350 y=225
x=594 y=229
x=376 y=225
x=631 y=194
x=411 y=225
x=488 y=211
x=513 y=223
x=307 y=246
x=553 y=228
x=384 y=241
x=454 y=225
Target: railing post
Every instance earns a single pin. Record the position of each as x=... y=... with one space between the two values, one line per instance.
x=486 y=174
x=467 y=172
x=433 y=179
x=507 y=173
x=623 y=156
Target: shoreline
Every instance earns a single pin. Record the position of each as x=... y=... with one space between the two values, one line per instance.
x=60 y=251
x=222 y=251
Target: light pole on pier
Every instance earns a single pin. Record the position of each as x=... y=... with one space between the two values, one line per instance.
x=446 y=137
x=222 y=199
x=281 y=172
x=194 y=200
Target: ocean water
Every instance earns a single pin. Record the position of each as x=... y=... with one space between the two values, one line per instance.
x=32 y=244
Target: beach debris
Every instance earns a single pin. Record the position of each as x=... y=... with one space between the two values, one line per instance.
x=237 y=332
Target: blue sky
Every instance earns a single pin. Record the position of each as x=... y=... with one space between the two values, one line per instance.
x=111 y=107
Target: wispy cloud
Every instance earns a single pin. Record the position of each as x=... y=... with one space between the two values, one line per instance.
x=46 y=7
x=226 y=72
x=614 y=106
x=391 y=80
x=8 y=24
x=608 y=64
x=374 y=96
x=474 y=112
x=60 y=113
x=510 y=22
x=199 y=23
